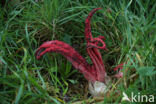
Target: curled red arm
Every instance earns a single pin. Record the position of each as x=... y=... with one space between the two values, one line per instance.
x=93 y=48
x=71 y=54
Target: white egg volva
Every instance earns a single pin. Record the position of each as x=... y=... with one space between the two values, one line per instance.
x=98 y=88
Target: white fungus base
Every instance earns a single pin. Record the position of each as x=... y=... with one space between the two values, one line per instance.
x=98 y=89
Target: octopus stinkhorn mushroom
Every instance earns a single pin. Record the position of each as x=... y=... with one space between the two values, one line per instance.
x=95 y=73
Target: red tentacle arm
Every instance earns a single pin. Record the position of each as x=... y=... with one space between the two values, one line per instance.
x=88 y=33
x=92 y=48
x=119 y=73
x=71 y=54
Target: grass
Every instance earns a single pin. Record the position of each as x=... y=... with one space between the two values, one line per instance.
x=128 y=26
